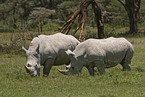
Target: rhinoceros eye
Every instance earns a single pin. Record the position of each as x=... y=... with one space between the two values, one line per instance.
x=72 y=68
x=29 y=65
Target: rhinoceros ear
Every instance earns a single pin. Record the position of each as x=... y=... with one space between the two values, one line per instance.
x=24 y=49
x=69 y=52
x=37 y=50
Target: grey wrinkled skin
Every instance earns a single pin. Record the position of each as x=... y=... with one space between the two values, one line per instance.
x=48 y=50
x=100 y=53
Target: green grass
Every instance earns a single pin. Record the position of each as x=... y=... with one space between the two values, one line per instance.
x=15 y=82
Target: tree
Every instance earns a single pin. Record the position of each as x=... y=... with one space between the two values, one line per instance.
x=132 y=7
x=39 y=16
x=80 y=13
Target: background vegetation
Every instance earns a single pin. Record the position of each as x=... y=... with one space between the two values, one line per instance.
x=30 y=15
x=22 y=20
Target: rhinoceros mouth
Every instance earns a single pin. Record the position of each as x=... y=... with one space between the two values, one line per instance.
x=30 y=71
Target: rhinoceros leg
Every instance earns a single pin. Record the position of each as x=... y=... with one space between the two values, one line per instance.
x=100 y=66
x=91 y=70
x=47 y=67
x=125 y=66
x=127 y=60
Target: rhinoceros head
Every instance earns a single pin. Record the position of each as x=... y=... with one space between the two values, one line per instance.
x=75 y=65
x=33 y=61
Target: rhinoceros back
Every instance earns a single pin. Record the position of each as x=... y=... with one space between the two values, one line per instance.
x=57 y=41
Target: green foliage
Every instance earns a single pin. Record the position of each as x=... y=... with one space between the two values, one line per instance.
x=66 y=9
x=27 y=14
x=51 y=27
x=40 y=15
x=6 y=28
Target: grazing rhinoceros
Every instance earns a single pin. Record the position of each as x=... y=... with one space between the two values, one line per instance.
x=100 y=53
x=48 y=50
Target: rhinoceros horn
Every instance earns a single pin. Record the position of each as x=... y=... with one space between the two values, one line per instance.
x=27 y=68
x=65 y=72
x=24 y=49
x=68 y=66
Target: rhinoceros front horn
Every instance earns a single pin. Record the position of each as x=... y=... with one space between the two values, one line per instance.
x=65 y=72
x=27 y=68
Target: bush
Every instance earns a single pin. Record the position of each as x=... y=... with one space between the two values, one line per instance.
x=6 y=28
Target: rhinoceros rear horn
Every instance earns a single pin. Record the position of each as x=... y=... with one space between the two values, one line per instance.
x=24 y=49
x=65 y=72
x=69 y=52
x=37 y=50
x=68 y=66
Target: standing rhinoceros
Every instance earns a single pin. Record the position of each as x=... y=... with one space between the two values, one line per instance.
x=100 y=53
x=48 y=50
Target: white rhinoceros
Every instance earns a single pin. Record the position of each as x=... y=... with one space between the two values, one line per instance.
x=100 y=53
x=48 y=50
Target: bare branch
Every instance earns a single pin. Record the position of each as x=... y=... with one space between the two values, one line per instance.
x=79 y=24
x=80 y=14
x=65 y=25
x=82 y=27
x=122 y=3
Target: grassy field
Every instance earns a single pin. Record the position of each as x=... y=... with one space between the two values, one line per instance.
x=14 y=81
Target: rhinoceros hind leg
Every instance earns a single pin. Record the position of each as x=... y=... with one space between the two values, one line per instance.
x=127 y=60
x=125 y=64
x=126 y=67
x=47 y=67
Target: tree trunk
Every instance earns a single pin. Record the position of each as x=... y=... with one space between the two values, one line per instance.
x=132 y=7
x=51 y=3
x=133 y=23
x=99 y=20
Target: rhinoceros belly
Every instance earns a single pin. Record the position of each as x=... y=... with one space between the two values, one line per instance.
x=113 y=58
x=61 y=58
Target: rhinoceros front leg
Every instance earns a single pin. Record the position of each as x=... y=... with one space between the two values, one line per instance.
x=100 y=66
x=91 y=70
x=47 y=67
